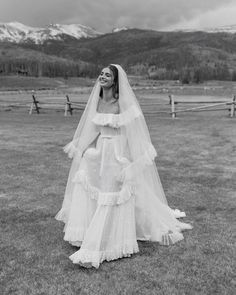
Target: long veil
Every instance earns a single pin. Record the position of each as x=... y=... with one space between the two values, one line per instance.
x=149 y=194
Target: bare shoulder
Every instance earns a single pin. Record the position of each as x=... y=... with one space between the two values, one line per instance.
x=116 y=107
x=108 y=107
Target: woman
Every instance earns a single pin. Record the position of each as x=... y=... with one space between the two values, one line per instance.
x=114 y=196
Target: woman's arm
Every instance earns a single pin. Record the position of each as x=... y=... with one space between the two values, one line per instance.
x=79 y=145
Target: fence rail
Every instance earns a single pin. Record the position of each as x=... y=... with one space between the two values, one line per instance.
x=68 y=106
x=230 y=105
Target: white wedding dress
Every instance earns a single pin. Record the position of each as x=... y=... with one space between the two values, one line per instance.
x=102 y=214
x=114 y=196
x=105 y=226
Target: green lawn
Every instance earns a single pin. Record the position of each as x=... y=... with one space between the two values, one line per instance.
x=197 y=166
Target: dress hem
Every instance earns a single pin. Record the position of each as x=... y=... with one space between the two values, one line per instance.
x=84 y=256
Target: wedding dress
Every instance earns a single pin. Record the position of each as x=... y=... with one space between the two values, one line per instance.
x=114 y=196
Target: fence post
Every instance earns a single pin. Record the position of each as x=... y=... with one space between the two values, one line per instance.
x=66 y=109
x=233 y=104
x=34 y=104
x=172 y=101
x=68 y=106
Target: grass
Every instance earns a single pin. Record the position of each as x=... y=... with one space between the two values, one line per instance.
x=74 y=84
x=14 y=82
x=196 y=163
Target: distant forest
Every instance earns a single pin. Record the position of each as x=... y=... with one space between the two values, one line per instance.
x=47 y=68
x=190 y=57
x=186 y=75
x=194 y=74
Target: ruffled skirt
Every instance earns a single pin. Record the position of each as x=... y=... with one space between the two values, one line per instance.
x=101 y=219
x=104 y=218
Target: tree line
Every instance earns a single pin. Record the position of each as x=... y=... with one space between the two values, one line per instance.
x=46 y=68
x=187 y=74
x=67 y=68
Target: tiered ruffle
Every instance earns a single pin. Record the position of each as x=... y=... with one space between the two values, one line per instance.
x=171 y=238
x=62 y=215
x=71 y=149
x=105 y=198
x=136 y=167
x=94 y=258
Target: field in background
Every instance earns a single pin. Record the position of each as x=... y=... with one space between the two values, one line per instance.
x=197 y=167
x=9 y=83
x=16 y=92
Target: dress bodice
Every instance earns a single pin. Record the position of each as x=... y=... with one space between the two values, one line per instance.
x=107 y=124
x=116 y=120
x=107 y=131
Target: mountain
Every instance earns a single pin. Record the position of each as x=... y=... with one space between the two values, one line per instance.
x=18 y=60
x=19 y=33
x=16 y=32
x=230 y=29
x=226 y=29
x=179 y=55
x=135 y=46
x=116 y=30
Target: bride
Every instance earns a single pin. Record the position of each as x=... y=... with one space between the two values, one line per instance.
x=114 y=196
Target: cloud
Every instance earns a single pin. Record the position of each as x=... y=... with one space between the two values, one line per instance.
x=214 y=18
x=36 y=12
x=106 y=14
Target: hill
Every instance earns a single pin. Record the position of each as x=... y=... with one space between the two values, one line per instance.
x=193 y=56
x=15 y=59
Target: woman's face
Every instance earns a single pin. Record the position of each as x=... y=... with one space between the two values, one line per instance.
x=106 y=78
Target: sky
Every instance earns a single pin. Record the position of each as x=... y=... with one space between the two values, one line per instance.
x=104 y=15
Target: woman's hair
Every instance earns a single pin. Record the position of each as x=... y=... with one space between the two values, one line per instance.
x=115 y=86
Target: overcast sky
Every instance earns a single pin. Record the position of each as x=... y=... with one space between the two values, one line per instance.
x=104 y=15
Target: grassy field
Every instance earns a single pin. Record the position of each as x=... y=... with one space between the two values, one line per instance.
x=14 y=82
x=74 y=84
x=197 y=166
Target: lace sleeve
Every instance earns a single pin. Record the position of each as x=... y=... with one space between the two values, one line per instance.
x=71 y=149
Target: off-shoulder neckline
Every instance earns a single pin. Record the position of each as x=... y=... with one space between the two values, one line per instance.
x=107 y=113
x=131 y=108
x=116 y=120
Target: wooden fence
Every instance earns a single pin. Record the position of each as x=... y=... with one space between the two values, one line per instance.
x=68 y=106
x=149 y=107
x=227 y=104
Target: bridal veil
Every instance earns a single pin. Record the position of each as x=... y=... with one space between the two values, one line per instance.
x=151 y=206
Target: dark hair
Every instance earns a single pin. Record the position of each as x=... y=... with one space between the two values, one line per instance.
x=115 y=86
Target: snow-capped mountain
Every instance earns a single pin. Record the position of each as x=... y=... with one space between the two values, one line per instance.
x=116 y=30
x=230 y=29
x=18 y=33
x=14 y=32
x=227 y=29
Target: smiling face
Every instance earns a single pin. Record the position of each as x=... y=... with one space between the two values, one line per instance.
x=106 y=78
